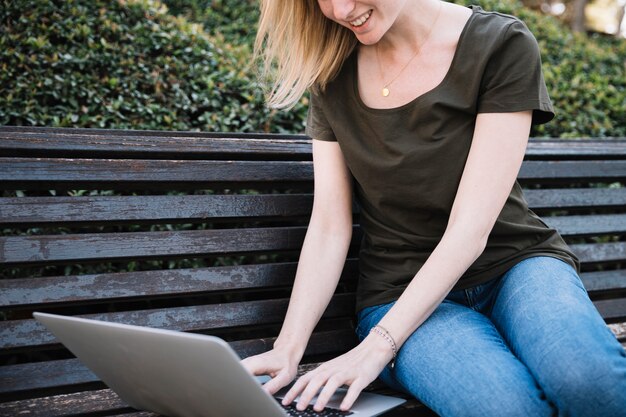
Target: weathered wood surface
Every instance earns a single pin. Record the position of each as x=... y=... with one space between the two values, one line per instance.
x=189 y=208
x=588 y=225
x=567 y=171
x=156 y=208
x=166 y=143
x=34 y=292
x=51 y=291
x=613 y=309
x=151 y=144
x=147 y=245
x=46 y=172
x=156 y=162
x=568 y=198
x=89 y=247
x=102 y=402
x=71 y=372
x=22 y=333
x=106 y=402
x=600 y=252
x=28 y=332
x=579 y=148
x=604 y=280
x=97 y=173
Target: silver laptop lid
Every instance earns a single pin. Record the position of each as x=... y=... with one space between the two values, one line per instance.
x=179 y=374
x=168 y=372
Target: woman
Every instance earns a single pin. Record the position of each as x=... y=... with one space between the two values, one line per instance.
x=466 y=299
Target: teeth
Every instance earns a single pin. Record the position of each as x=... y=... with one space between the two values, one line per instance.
x=361 y=20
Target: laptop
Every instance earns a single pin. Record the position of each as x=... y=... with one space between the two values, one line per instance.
x=183 y=374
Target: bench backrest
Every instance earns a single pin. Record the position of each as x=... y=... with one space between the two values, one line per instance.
x=201 y=232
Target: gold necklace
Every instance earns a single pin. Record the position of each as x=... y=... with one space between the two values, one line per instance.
x=385 y=91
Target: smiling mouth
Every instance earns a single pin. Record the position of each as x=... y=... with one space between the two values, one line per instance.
x=361 y=20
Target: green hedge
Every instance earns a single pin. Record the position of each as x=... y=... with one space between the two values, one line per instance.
x=586 y=76
x=236 y=20
x=123 y=64
x=136 y=64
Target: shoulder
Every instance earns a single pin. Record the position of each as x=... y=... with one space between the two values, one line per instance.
x=495 y=21
x=496 y=33
x=499 y=26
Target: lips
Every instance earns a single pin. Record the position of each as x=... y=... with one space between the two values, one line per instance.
x=361 y=19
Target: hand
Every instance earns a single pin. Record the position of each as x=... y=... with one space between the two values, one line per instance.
x=356 y=368
x=280 y=364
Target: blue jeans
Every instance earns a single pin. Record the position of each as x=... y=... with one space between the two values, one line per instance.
x=528 y=343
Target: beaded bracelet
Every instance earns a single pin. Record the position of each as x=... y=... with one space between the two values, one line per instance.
x=378 y=329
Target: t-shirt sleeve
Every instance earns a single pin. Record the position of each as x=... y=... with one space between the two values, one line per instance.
x=513 y=80
x=317 y=126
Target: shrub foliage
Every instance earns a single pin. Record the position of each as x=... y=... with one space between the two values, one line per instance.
x=186 y=65
x=123 y=64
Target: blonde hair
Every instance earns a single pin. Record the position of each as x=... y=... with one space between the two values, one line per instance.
x=299 y=48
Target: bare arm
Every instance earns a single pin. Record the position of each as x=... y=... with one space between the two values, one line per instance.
x=325 y=246
x=319 y=268
x=492 y=166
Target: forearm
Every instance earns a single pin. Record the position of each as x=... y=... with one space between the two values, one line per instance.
x=455 y=253
x=319 y=269
x=492 y=165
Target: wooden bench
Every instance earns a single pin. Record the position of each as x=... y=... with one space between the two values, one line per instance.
x=240 y=205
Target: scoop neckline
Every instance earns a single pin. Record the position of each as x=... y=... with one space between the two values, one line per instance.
x=355 y=74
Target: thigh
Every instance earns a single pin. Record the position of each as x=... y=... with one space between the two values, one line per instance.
x=544 y=313
x=457 y=364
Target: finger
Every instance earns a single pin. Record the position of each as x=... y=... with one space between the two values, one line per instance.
x=295 y=390
x=312 y=388
x=276 y=383
x=257 y=366
x=353 y=393
x=329 y=389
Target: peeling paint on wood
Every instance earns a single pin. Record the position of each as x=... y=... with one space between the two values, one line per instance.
x=158 y=162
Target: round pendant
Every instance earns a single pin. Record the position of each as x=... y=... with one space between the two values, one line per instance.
x=385 y=92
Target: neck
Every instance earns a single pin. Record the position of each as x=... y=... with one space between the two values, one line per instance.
x=411 y=29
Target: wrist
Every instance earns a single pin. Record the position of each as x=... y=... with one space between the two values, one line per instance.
x=382 y=347
x=292 y=349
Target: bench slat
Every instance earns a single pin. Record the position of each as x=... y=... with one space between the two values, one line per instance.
x=614 y=309
x=61 y=373
x=588 y=225
x=80 y=403
x=98 y=172
x=25 y=138
x=23 y=333
x=47 y=172
x=64 y=210
x=116 y=286
x=163 y=208
x=600 y=252
x=150 y=245
x=579 y=148
x=32 y=292
x=566 y=198
x=551 y=171
x=36 y=158
x=146 y=245
x=165 y=145
x=604 y=280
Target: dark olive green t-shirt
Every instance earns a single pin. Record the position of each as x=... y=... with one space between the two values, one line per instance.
x=407 y=161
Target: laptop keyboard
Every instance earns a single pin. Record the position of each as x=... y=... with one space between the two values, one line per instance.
x=310 y=412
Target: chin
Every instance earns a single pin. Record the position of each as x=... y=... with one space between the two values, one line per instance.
x=368 y=39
